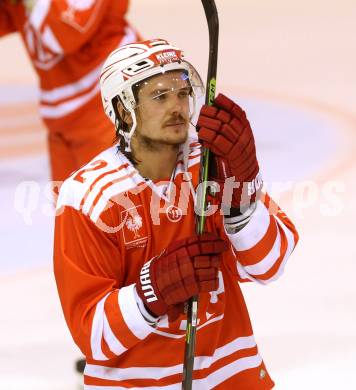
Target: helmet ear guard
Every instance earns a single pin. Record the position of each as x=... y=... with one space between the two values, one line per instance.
x=123 y=129
x=128 y=66
x=119 y=121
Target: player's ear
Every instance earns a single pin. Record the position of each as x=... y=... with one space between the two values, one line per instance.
x=124 y=115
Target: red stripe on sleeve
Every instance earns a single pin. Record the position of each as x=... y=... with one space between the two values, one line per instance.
x=117 y=322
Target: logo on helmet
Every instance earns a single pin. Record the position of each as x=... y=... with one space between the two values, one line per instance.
x=167 y=56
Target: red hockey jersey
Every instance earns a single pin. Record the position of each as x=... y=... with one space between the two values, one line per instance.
x=110 y=222
x=68 y=41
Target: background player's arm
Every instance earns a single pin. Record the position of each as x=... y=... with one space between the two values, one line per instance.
x=6 y=24
x=66 y=29
x=264 y=245
x=102 y=316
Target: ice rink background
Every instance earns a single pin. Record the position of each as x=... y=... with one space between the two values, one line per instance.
x=292 y=67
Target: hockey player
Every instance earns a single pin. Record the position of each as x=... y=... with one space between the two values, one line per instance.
x=126 y=256
x=67 y=42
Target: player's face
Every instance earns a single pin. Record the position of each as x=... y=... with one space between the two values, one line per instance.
x=163 y=109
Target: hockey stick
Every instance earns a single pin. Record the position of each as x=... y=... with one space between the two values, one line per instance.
x=192 y=316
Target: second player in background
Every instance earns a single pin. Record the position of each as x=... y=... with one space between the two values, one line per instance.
x=67 y=42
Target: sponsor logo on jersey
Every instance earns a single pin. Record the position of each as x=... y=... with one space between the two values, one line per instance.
x=146 y=285
x=174 y=213
x=134 y=232
x=134 y=224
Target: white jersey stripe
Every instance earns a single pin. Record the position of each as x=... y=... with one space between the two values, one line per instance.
x=254 y=231
x=113 y=343
x=71 y=91
x=209 y=382
x=100 y=184
x=39 y=13
x=131 y=181
x=56 y=94
x=193 y=161
x=290 y=247
x=51 y=41
x=97 y=331
x=131 y=313
x=243 y=274
x=66 y=108
x=227 y=372
x=200 y=362
x=98 y=179
x=64 y=92
x=291 y=244
x=236 y=345
x=265 y=264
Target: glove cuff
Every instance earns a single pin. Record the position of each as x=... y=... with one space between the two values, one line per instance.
x=149 y=318
x=236 y=220
x=148 y=291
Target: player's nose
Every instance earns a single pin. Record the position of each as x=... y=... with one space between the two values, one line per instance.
x=176 y=104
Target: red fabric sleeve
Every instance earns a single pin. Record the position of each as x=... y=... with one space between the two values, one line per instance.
x=101 y=314
x=6 y=24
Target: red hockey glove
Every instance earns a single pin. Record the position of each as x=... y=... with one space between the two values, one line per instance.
x=186 y=268
x=225 y=130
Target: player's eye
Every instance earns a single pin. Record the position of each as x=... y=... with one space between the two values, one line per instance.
x=161 y=97
x=183 y=93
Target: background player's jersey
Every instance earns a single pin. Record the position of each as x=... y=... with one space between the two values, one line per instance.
x=110 y=222
x=68 y=41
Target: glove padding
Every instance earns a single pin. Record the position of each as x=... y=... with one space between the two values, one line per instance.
x=225 y=130
x=186 y=268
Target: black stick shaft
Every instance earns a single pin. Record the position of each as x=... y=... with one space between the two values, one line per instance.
x=192 y=315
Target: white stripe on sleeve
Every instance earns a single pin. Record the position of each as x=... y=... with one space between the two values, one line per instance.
x=290 y=247
x=254 y=231
x=66 y=91
x=39 y=13
x=131 y=313
x=66 y=108
x=97 y=331
x=265 y=264
x=113 y=343
x=242 y=271
x=51 y=41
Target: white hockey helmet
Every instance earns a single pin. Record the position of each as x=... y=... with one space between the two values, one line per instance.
x=129 y=65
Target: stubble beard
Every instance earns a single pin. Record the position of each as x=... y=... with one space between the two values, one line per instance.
x=153 y=144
